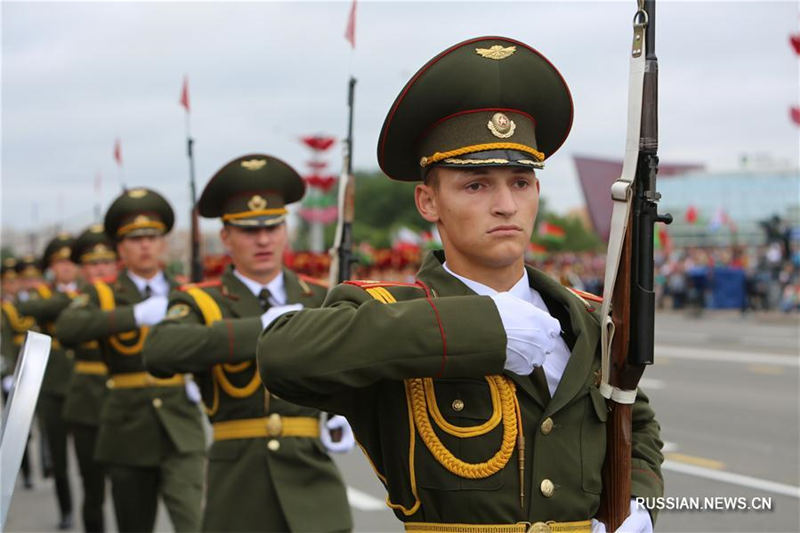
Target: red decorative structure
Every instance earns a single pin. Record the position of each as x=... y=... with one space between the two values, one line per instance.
x=319 y=206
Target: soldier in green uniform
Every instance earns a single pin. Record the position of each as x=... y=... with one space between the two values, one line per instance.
x=12 y=334
x=94 y=252
x=268 y=470
x=44 y=304
x=473 y=391
x=151 y=435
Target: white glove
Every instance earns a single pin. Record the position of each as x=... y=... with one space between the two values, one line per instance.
x=346 y=443
x=531 y=333
x=637 y=522
x=151 y=311
x=192 y=391
x=8 y=383
x=274 y=312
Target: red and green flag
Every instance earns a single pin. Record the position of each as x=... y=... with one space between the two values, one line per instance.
x=551 y=232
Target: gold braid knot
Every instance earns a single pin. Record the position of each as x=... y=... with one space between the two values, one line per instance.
x=506 y=391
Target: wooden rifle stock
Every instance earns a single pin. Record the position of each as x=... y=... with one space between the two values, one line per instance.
x=633 y=297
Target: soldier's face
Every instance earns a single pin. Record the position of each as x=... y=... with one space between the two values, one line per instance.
x=99 y=270
x=142 y=254
x=64 y=270
x=10 y=286
x=485 y=216
x=256 y=252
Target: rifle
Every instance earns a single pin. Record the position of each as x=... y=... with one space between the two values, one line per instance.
x=628 y=330
x=342 y=251
x=194 y=235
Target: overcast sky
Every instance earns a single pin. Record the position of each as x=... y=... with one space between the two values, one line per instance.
x=75 y=76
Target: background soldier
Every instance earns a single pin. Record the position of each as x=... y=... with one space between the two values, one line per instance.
x=94 y=252
x=151 y=435
x=474 y=390
x=267 y=469
x=44 y=305
x=12 y=335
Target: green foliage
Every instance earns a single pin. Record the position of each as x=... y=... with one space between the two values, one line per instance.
x=6 y=252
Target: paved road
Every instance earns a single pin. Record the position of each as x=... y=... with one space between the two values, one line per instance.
x=726 y=391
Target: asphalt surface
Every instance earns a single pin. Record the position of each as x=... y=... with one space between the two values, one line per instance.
x=726 y=390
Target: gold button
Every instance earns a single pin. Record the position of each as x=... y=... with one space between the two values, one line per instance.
x=273 y=445
x=547 y=488
x=274 y=425
x=157 y=403
x=110 y=383
x=539 y=527
x=547 y=426
x=458 y=405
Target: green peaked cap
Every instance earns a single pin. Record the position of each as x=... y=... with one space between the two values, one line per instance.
x=93 y=245
x=137 y=212
x=486 y=101
x=252 y=190
x=59 y=247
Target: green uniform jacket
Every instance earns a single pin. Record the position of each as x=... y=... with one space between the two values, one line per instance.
x=136 y=424
x=351 y=356
x=45 y=306
x=299 y=478
x=86 y=392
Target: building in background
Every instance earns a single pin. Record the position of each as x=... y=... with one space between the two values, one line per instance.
x=709 y=208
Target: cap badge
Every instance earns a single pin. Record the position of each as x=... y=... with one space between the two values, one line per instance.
x=96 y=228
x=141 y=219
x=256 y=203
x=63 y=252
x=99 y=248
x=496 y=52
x=254 y=164
x=501 y=126
x=137 y=193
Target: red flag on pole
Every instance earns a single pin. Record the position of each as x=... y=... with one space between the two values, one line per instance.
x=794 y=40
x=185 y=94
x=350 y=32
x=794 y=112
x=118 y=152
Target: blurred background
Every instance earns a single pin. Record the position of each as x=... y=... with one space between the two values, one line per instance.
x=99 y=96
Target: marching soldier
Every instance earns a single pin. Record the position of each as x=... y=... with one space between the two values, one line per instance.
x=44 y=304
x=13 y=333
x=268 y=470
x=94 y=252
x=473 y=391
x=150 y=436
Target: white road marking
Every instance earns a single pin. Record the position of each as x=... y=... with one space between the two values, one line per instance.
x=669 y=447
x=730 y=477
x=651 y=384
x=363 y=501
x=725 y=356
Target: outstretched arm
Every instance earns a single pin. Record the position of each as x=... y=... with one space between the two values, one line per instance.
x=315 y=356
x=184 y=343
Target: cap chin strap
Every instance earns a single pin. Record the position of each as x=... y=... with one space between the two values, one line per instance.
x=622 y=195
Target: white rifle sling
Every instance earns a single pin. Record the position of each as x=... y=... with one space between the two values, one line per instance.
x=622 y=194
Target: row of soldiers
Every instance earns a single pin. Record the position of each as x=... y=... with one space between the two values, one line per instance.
x=127 y=375
x=472 y=390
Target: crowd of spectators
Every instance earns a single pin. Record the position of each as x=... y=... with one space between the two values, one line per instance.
x=754 y=279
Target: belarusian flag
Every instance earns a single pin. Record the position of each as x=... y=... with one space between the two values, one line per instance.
x=551 y=232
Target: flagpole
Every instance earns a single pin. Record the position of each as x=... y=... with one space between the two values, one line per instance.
x=118 y=159
x=196 y=270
